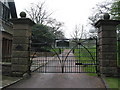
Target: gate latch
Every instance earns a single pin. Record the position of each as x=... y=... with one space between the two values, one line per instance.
x=78 y=64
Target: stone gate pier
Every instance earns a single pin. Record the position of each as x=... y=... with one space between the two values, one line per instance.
x=21 y=45
x=107 y=49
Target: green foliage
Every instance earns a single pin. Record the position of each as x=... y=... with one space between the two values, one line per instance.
x=85 y=57
x=42 y=38
x=115 y=11
x=57 y=50
x=42 y=34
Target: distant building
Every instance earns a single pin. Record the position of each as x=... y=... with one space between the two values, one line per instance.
x=7 y=12
x=62 y=43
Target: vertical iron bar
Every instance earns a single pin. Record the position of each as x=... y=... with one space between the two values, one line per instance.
x=63 y=55
x=97 y=63
x=79 y=59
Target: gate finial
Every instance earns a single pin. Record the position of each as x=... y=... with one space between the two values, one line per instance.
x=23 y=14
x=106 y=16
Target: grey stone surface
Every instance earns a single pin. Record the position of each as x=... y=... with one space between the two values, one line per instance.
x=20 y=54
x=19 y=68
x=107 y=27
x=8 y=80
x=21 y=27
x=21 y=43
x=108 y=41
x=109 y=71
x=21 y=32
x=107 y=34
x=106 y=63
x=24 y=21
x=107 y=50
x=6 y=69
x=20 y=61
x=107 y=23
x=108 y=55
x=21 y=40
x=24 y=46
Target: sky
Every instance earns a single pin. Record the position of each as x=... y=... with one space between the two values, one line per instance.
x=71 y=12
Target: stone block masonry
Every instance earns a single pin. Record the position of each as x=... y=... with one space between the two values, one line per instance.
x=107 y=46
x=21 y=45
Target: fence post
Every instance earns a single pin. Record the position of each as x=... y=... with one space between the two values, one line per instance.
x=21 y=45
x=107 y=49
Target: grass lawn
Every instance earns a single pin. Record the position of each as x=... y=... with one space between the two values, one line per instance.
x=113 y=82
x=87 y=58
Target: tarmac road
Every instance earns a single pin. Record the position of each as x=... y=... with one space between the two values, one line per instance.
x=60 y=80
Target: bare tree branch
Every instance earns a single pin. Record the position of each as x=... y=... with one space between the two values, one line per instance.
x=37 y=13
x=40 y=15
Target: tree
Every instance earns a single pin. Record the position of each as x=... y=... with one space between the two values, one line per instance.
x=99 y=10
x=54 y=24
x=79 y=33
x=115 y=10
x=76 y=33
x=56 y=27
x=38 y=13
x=42 y=37
x=111 y=7
x=42 y=34
x=97 y=13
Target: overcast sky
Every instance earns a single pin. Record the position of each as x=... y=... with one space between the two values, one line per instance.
x=71 y=12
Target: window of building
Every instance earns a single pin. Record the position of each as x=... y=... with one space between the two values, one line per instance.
x=6 y=50
x=4 y=12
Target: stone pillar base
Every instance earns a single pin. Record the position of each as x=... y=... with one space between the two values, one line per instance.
x=17 y=74
x=20 y=74
x=109 y=71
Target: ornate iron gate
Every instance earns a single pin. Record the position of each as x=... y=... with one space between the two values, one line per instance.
x=65 y=56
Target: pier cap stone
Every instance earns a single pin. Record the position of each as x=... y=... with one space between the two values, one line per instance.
x=106 y=21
